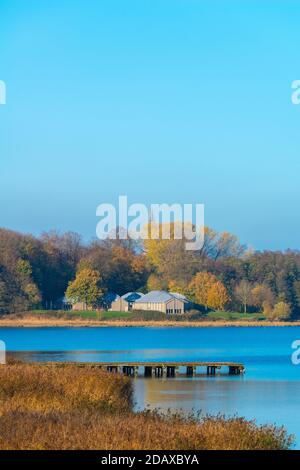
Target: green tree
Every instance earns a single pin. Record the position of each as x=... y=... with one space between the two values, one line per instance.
x=32 y=294
x=4 y=298
x=296 y=289
x=24 y=269
x=29 y=291
x=85 y=287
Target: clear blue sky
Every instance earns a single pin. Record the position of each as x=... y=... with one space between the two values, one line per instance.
x=163 y=100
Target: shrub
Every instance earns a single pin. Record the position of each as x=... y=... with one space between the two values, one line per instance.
x=281 y=311
x=147 y=315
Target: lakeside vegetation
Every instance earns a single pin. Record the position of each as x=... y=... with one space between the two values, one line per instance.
x=94 y=318
x=37 y=272
x=134 y=315
x=50 y=407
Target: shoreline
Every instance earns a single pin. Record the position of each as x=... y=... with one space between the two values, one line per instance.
x=79 y=323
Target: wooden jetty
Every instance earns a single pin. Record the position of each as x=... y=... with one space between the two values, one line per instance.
x=158 y=369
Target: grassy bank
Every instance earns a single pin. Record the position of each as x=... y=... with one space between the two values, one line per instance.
x=140 y=315
x=83 y=408
x=39 y=318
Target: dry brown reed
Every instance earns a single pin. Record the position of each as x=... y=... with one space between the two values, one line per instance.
x=44 y=407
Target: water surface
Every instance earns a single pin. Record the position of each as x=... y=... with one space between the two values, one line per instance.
x=269 y=391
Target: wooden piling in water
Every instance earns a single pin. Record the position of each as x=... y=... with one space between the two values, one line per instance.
x=235 y=370
x=211 y=370
x=171 y=371
x=190 y=371
x=157 y=369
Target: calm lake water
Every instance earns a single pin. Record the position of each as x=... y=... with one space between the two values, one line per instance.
x=269 y=391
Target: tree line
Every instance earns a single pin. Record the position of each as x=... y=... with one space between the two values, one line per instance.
x=37 y=272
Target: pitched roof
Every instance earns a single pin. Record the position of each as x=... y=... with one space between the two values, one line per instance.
x=180 y=296
x=156 y=296
x=161 y=296
x=132 y=296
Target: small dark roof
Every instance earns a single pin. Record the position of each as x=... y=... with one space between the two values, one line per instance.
x=110 y=297
x=132 y=296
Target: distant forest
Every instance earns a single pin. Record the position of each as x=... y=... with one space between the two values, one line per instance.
x=35 y=272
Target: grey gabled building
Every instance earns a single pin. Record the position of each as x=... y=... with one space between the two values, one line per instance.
x=125 y=302
x=162 y=301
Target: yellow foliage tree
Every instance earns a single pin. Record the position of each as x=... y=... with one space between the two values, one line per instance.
x=85 y=287
x=217 y=296
x=179 y=287
x=200 y=287
x=281 y=311
x=155 y=283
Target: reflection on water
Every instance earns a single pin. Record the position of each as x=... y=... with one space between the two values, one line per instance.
x=266 y=401
x=268 y=392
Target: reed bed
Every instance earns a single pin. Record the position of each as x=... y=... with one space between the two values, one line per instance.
x=69 y=407
x=28 y=320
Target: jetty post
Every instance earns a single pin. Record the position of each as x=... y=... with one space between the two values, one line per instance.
x=171 y=371
x=190 y=371
x=235 y=370
x=211 y=370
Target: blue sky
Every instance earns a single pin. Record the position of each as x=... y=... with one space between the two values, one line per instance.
x=162 y=100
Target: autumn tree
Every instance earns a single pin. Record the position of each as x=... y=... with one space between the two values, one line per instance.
x=33 y=268
x=217 y=296
x=200 y=287
x=122 y=269
x=267 y=310
x=243 y=293
x=262 y=295
x=179 y=287
x=156 y=282
x=85 y=288
x=281 y=311
x=169 y=258
x=172 y=262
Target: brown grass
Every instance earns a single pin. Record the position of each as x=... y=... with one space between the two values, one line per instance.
x=34 y=321
x=83 y=408
x=45 y=389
